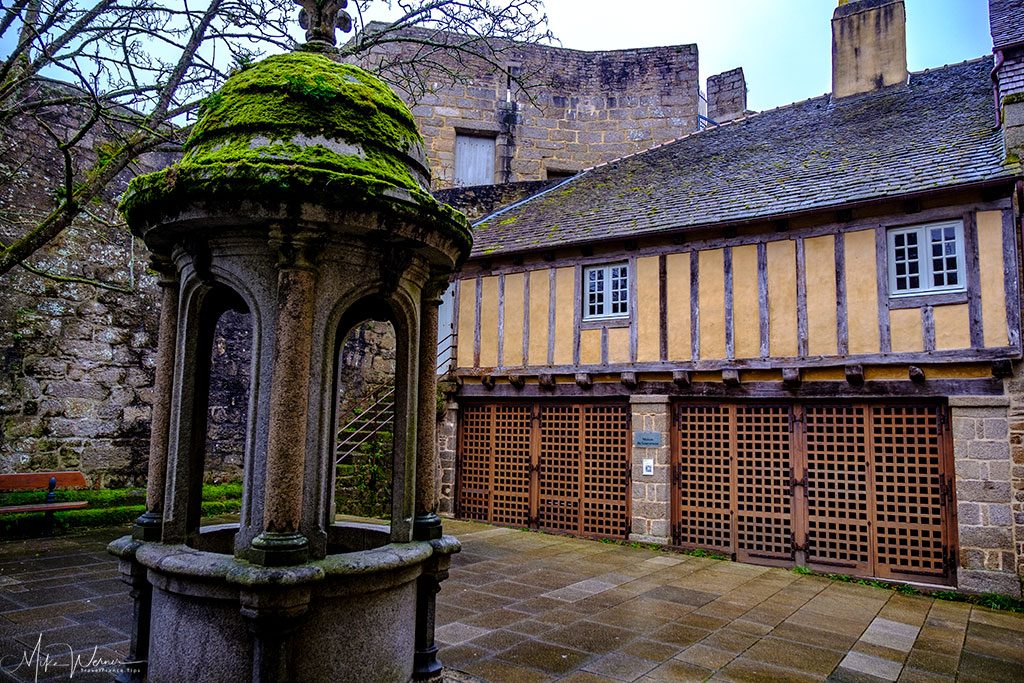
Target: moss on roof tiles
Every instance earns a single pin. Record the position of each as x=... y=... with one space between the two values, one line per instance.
x=814 y=154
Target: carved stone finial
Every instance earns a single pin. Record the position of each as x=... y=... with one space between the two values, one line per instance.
x=320 y=18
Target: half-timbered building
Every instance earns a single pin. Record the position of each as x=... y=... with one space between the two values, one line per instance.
x=794 y=338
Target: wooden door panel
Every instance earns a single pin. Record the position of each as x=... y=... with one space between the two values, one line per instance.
x=703 y=477
x=908 y=467
x=764 y=491
x=606 y=475
x=838 y=487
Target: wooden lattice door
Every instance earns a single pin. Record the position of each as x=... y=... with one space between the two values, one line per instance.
x=561 y=467
x=863 y=489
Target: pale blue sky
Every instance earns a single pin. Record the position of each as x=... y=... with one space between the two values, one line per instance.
x=784 y=46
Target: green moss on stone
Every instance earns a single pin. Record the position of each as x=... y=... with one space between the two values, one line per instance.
x=1015 y=98
x=300 y=128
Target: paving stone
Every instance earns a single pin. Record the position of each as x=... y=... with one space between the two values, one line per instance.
x=883 y=669
x=917 y=676
x=752 y=670
x=511 y=589
x=730 y=640
x=675 y=670
x=457 y=632
x=788 y=630
x=984 y=668
x=651 y=650
x=788 y=655
x=679 y=634
x=704 y=656
x=493 y=619
x=498 y=640
x=621 y=667
x=891 y=634
x=683 y=596
x=994 y=641
x=587 y=677
x=457 y=656
x=590 y=636
x=547 y=657
x=932 y=662
x=497 y=671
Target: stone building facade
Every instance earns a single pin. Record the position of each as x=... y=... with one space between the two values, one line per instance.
x=582 y=109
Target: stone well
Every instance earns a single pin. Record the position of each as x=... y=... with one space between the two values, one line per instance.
x=302 y=200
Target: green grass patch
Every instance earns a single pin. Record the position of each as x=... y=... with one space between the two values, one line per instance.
x=107 y=507
x=990 y=600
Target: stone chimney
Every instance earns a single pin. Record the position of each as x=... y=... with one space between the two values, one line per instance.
x=1007 y=23
x=869 y=46
x=727 y=96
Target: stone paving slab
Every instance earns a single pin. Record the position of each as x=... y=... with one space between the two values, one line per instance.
x=526 y=607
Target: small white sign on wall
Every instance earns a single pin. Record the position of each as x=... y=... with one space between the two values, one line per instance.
x=648 y=467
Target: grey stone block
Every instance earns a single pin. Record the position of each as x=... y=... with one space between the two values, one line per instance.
x=981 y=581
x=989 y=450
x=983 y=491
x=987 y=537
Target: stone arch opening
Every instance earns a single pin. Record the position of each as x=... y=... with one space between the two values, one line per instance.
x=363 y=423
x=222 y=380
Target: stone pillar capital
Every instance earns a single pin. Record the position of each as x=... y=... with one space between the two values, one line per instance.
x=295 y=248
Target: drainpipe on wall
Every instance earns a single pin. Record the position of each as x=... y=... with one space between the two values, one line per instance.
x=1000 y=58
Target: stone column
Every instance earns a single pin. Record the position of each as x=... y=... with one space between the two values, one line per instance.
x=149 y=526
x=281 y=542
x=427 y=525
x=141 y=593
x=652 y=509
x=981 y=449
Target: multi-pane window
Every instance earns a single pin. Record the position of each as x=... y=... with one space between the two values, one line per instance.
x=606 y=291
x=926 y=259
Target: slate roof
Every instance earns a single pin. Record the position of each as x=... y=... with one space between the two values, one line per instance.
x=1007 y=20
x=938 y=131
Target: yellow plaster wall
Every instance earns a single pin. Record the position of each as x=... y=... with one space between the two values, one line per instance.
x=618 y=344
x=993 y=288
x=745 y=302
x=820 y=264
x=540 y=304
x=565 y=305
x=782 y=298
x=512 y=350
x=861 y=292
x=677 y=285
x=467 y=322
x=648 y=314
x=952 y=327
x=711 y=294
x=489 y=322
x=905 y=329
x=590 y=347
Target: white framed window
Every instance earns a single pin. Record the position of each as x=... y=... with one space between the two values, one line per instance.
x=606 y=291
x=927 y=259
x=474 y=160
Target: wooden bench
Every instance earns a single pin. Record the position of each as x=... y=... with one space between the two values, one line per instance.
x=33 y=481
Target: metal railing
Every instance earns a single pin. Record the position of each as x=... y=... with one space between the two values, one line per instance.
x=374 y=414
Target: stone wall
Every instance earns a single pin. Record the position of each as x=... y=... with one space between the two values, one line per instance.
x=481 y=200
x=447 y=445
x=988 y=557
x=1015 y=389
x=76 y=360
x=581 y=108
x=652 y=512
x=727 y=96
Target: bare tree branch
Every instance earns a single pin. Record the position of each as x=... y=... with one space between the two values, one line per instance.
x=102 y=83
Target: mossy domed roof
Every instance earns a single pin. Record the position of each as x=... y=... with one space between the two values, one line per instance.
x=300 y=128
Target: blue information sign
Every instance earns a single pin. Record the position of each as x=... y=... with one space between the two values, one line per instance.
x=647 y=439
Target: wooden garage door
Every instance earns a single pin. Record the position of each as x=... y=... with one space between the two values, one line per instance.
x=861 y=489
x=561 y=467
